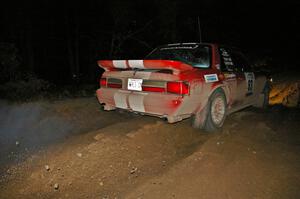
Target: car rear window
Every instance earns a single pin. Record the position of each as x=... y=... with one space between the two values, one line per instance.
x=195 y=55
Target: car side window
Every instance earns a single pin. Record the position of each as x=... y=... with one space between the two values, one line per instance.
x=240 y=62
x=202 y=57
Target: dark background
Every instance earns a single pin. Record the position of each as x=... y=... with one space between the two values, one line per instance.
x=60 y=41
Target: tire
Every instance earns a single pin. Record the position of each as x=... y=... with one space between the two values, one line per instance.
x=212 y=117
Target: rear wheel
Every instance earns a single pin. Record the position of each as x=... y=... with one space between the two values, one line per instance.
x=213 y=115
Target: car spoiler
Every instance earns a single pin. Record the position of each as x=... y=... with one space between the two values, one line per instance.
x=113 y=65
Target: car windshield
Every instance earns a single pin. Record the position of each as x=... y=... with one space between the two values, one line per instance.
x=195 y=55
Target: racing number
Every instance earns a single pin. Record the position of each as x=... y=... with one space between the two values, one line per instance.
x=250 y=85
x=249 y=82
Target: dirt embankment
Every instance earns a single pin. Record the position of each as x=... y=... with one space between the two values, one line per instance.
x=285 y=90
x=111 y=155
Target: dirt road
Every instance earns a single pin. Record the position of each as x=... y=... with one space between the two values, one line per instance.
x=73 y=149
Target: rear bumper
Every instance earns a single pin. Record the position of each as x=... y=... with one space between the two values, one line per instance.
x=163 y=105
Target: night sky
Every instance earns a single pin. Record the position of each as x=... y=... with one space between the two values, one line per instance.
x=57 y=39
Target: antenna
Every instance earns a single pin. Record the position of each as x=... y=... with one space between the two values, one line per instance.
x=199 y=29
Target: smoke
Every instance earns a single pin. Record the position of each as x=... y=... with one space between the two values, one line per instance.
x=28 y=127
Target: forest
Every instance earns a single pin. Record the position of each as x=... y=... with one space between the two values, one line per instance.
x=59 y=42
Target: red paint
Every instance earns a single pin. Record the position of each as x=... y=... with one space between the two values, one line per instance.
x=221 y=77
x=106 y=64
x=214 y=85
x=176 y=102
x=215 y=57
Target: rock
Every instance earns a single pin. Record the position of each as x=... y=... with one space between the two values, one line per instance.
x=101 y=184
x=99 y=136
x=79 y=154
x=129 y=164
x=56 y=186
x=17 y=143
x=133 y=170
x=47 y=167
x=131 y=134
x=286 y=93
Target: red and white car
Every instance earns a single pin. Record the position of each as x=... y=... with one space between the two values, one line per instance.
x=177 y=81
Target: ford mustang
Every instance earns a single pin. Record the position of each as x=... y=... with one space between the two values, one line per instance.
x=176 y=81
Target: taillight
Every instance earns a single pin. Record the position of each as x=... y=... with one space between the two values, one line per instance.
x=181 y=88
x=111 y=83
x=103 y=82
x=153 y=89
x=114 y=85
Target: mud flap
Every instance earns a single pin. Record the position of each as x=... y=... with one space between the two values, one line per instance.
x=199 y=118
x=262 y=100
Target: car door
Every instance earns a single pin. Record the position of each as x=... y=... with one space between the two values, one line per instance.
x=245 y=78
x=230 y=77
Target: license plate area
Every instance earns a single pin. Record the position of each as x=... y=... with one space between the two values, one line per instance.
x=134 y=84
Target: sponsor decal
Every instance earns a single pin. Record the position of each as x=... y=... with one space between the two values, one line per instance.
x=211 y=78
x=229 y=75
x=227 y=59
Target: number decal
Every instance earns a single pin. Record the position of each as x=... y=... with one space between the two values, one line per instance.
x=250 y=82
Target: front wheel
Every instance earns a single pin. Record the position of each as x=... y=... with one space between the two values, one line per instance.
x=215 y=112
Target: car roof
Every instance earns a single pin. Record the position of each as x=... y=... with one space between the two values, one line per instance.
x=193 y=45
x=187 y=44
x=198 y=43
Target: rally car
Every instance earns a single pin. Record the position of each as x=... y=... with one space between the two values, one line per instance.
x=176 y=81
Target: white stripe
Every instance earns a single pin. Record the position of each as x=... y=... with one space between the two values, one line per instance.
x=136 y=63
x=100 y=65
x=106 y=69
x=119 y=63
x=120 y=100
x=136 y=102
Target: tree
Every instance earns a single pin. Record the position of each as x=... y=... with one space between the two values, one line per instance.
x=9 y=62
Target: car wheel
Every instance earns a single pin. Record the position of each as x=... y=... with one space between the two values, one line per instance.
x=212 y=116
x=216 y=112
